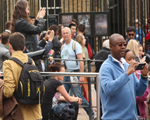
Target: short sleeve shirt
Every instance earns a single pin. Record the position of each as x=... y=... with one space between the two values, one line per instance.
x=68 y=53
x=50 y=90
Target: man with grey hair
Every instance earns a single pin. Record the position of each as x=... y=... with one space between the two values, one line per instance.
x=67 y=52
x=102 y=54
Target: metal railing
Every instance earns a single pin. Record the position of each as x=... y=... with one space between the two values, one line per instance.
x=85 y=74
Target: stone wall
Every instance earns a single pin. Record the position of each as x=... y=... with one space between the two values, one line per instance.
x=76 y=6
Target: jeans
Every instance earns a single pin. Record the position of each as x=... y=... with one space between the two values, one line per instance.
x=77 y=93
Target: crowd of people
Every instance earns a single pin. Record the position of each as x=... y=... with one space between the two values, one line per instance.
x=123 y=89
x=24 y=34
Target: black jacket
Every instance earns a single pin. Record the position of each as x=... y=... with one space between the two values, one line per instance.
x=56 y=44
x=29 y=30
x=56 y=47
x=101 y=55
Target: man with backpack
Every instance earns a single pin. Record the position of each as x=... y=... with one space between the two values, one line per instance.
x=67 y=52
x=22 y=79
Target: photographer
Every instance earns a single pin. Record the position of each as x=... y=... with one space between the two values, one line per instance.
x=143 y=56
x=22 y=23
x=45 y=44
x=56 y=43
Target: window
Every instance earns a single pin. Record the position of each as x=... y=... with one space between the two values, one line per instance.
x=52 y=7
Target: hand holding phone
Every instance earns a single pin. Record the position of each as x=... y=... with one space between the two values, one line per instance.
x=140 y=66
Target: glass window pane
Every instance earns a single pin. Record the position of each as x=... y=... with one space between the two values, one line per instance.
x=58 y=11
x=43 y=3
x=50 y=3
x=58 y=3
x=51 y=11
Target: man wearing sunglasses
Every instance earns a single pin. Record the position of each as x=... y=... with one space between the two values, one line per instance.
x=130 y=33
x=118 y=84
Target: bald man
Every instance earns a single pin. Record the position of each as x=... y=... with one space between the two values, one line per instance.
x=73 y=66
x=118 y=84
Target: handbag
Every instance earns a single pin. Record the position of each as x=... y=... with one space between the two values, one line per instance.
x=64 y=111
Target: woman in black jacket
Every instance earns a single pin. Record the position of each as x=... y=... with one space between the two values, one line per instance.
x=22 y=23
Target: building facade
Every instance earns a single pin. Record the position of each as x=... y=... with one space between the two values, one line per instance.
x=122 y=13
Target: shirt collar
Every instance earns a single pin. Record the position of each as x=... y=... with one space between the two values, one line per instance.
x=122 y=60
x=17 y=53
x=8 y=31
x=80 y=34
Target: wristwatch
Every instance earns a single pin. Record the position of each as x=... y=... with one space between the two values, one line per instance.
x=144 y=76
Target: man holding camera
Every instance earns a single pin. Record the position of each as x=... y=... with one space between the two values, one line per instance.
x=118 y=84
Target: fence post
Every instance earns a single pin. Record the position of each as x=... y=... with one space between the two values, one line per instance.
x=89 y=88
x=98 y=97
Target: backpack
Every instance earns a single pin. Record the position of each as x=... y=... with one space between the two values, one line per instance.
x=30 y=86
x=64 y=111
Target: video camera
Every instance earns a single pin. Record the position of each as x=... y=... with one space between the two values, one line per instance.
x=36 y=55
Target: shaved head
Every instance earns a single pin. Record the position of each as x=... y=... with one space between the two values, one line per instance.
x=117 y=46
x=114 y=37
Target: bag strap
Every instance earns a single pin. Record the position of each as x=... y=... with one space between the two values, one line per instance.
x=62 y=47
x=63 y=61
x=17 y=61
x=74 y=49
x=29 y=60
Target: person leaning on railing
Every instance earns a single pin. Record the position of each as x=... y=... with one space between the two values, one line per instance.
x=54 y=85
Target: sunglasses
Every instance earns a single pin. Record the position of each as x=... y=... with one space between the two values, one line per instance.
x=120 y=45
x=131 y=34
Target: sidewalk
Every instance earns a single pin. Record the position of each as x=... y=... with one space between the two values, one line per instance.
x=82 y=114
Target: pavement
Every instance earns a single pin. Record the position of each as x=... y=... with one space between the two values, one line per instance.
x=82 y=114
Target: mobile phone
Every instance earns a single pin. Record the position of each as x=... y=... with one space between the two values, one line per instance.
x=44 y=8
x=49 y=32
x=140 y=66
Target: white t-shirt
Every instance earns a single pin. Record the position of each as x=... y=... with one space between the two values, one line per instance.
x=68 y=53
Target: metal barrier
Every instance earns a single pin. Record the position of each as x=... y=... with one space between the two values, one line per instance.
x=89 y=82
x=85 y=74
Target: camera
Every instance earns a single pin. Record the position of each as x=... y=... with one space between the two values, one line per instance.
x=147 y=57
x=36 y=55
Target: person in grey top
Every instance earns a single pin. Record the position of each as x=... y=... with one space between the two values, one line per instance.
x=4 y=52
